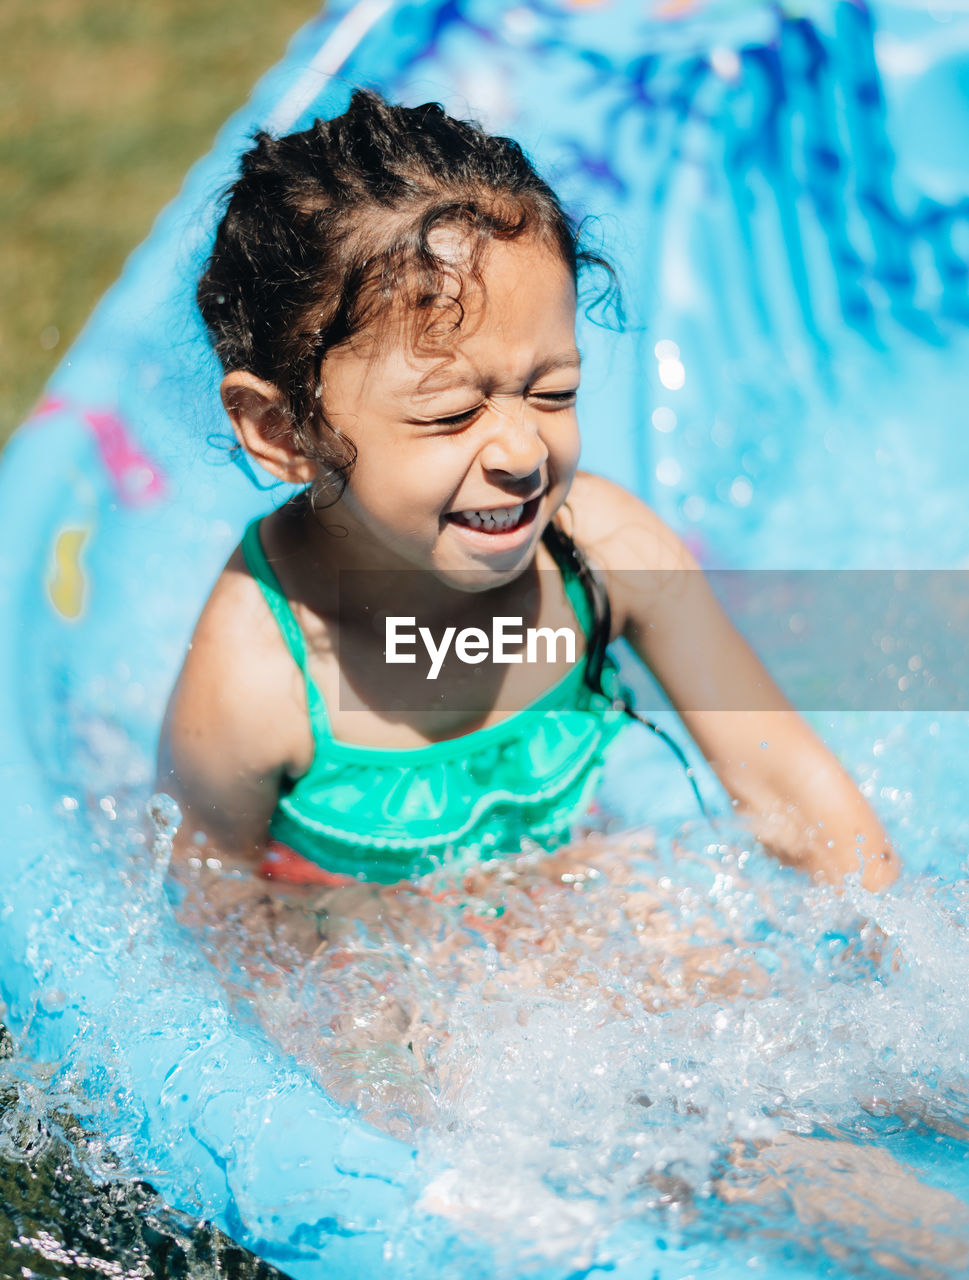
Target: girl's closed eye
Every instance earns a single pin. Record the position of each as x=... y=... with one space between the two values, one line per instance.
x=459 y=419
x=551 y=399
x=445 y=423
x=557 y=399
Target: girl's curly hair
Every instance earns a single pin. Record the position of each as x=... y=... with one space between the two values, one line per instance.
x=326 y=228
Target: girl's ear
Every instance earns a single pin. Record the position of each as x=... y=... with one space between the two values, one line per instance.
x=260 y=419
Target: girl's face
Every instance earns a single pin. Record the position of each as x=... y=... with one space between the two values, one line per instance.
x=466 y=451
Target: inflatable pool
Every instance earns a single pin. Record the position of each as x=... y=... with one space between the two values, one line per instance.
x=789 y=213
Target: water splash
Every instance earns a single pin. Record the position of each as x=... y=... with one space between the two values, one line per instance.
x=661 y=1033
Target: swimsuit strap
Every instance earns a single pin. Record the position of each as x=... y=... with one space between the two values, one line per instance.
x=564 y=552
x=280 y=608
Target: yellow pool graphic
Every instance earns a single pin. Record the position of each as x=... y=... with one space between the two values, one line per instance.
x=67 y=582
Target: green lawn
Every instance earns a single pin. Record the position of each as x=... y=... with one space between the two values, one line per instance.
x=104 y=104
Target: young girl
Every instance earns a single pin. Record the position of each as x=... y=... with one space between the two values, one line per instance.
x=392 y=295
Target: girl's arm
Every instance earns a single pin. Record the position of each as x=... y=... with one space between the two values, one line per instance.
x=797 y=798
x=236 y=721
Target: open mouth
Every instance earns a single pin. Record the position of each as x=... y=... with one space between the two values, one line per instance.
x=497 y=520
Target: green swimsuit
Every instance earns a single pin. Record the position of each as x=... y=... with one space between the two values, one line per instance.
x=388 y=814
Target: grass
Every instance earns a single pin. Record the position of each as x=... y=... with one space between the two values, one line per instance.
x=104 y=105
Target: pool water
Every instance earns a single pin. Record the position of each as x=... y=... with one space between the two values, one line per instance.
x=664 y=1029
x=668 y=1038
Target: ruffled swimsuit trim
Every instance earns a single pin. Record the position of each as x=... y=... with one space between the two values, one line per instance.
x=387 y=814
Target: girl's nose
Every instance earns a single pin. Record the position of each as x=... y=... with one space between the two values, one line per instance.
x=515 y=445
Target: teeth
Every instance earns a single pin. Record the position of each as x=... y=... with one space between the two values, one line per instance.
x=498 y=519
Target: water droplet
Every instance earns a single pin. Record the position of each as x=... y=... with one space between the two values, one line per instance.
x=694 y=508
x=741 y=491
x=672 y=374
x=164 y=813
x=725 y=62
x=668 y=471
x=721 y=433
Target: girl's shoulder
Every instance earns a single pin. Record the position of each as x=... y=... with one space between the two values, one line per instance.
x=618 y=531
x=239 y=690
x=636 y=554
